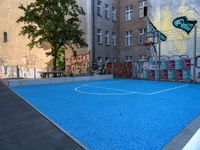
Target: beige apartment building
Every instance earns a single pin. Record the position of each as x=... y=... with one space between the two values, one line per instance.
x=114 y=31
x=13 y=48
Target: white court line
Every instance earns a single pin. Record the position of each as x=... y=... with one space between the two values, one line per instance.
x=103 y=82
x=113 y=89
x=77 y=89
x=101 y=87
x=93 y=93
x=170 y=89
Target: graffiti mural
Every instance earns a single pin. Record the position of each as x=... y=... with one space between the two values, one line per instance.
x=174 y=68
x=163 y=13
x=120 y=70
x=140 y=69
x=78 y=65
x=14 y=71
x=184 y=24
x=123 y=70
x=2 y=67
x=109 y=68
x=9 y=71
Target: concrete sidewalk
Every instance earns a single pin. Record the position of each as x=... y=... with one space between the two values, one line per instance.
x=23 y=128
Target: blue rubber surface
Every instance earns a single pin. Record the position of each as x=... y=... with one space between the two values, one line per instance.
x=118 y=114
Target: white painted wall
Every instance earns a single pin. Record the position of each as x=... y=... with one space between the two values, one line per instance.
x=194 y=143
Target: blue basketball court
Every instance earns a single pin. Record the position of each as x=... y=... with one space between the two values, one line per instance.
x=118 y=114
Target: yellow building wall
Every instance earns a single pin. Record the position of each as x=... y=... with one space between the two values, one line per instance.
x=15 y=50
x=162 y=14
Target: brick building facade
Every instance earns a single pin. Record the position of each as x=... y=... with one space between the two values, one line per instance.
x=112 y=31
x=117 y=29
x=132 y=26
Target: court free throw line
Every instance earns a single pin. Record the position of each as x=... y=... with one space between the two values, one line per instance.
x=101 y=87
x=106 y=82
x=124 y=92
x=170 y=89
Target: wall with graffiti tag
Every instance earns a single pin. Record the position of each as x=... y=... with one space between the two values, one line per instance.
x=9 y=71
x=120 y=70
x=173 y=68
x=163 y=13
x=78 y=65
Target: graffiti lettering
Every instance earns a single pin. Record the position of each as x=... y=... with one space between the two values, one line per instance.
x=18 y=72
x=78 y=65
x=184 y=24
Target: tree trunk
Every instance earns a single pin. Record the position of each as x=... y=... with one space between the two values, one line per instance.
x=55 y=62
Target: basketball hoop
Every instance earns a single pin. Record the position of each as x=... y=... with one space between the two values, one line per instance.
x=148 y=43
x=151 y=38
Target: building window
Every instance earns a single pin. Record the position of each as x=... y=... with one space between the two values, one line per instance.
x=129 y=38
x=107 y=59
x=114 y=39
x=99 y=59
x=128 y=58
x=115 y=59
x=5 y=37
x=114 y=14
x=129 y=13
x=107 y=11
x=143 y=9
x=99 y=36
x=107 y=38
x=99 y=8
x=142 y=36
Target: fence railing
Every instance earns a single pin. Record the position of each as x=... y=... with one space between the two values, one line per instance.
x=9 y=71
